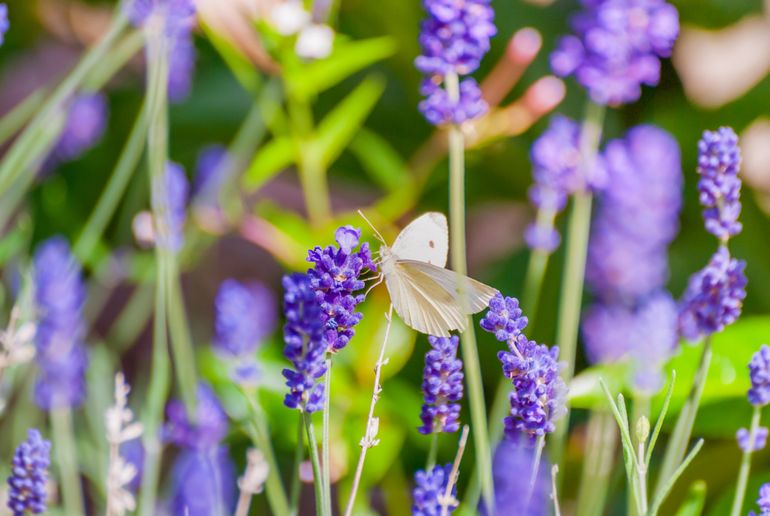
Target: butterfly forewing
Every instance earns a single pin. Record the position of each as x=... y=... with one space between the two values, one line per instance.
x=425 y=239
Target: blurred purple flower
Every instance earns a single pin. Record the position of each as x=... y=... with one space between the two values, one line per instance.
x=169 y=199
x=207 y=429
x=85 y=124
x=617 y=47
x=304 y=342
x=714 y=296
x=245 y=316
x=4 y=23
x=203 y=483
x=557 y=172
x=27 y=485
x=743 y=438
x=176 y=15
x=719 y=160
x=181 y=66
x=759 y=374
x=439 y=109
x=442 y=386
x=213 y=162
x=336 y=278
x=512 y=463
x=429 y=488
x=763 y=501
x=61 y=356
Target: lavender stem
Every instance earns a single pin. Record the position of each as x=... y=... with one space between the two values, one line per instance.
x=743 y=473
x=66 y=457
x=325 y=461
x=317 y=478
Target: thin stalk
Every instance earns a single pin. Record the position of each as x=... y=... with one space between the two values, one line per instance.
x=116 y=187
x=19 y=157
x=533 y=283
x=680 y=437
x=469 y=349
x=244 y=502
x=432 y=452
x=554 y=491
x=298 y=456
x=601 y=441
x=313 y=449
x=641 y=477
x=660 y=497
x=121 y=53
x=743 y=473
x=369 y=439
x=160 y=381
x=21 y=113
x=447 y=500
x=66 y=457
x=181 y=341
x=276 y=495
x=539 y=445
x=325 y=462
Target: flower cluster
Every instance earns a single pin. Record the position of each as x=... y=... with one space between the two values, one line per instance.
x=719 y=160
x=210 y=169
x=245 y=315
x=759 y=374
x=743 y=436
x=714 y=296
x=336 y=279
x=763 y=501
x=85 y=124
x=305 y=345
x=4 y=23
x=205 y=431
x=539 y=393
x=558 y=172
x=617 y=47
x=175 y=19
x=429 y=490
x=169 y=197
x=61 y=356
x=454 y=38
x=29 y=475
x=442 y=386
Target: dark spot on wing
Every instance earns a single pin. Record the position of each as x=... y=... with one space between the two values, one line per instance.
x=432 y=244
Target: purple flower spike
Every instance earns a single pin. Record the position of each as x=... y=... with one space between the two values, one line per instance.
x=84 y=127
x=304 y=346
x=336 y=279
x=511 y=459
x=539 y=393
x=61 y=356
x=617 y=47
x=29 y=475
x=181 y=67
x=763 y=501
x=504 y=319
x=438 y=109
x=429 y=488
x=714 y=296
x=759 y=373
x=208 y=428
x=760 y=439
x=212 y=165
x=245 y=316
x=719 y=160
x=171 y=197
x=176 y=15
x=4 y=23
x=203 y=483
x=442 y=386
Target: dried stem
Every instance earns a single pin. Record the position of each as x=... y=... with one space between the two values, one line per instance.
x=448 y=499
x=369 y=439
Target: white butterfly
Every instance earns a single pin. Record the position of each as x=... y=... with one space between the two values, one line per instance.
x=424 y=293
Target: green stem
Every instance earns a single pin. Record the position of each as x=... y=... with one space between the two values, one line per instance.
x=539 y=445
x=15 y=119
x=19 y=157
x=66 y=456
x=181 y=342
x=743 y=473
x=325 y=462
x=600 y=446
x=276 y=495
x=158 y=390
x=469 y=349
x=432 y=452
x=533 y=284
x=680 y=437
x=313 y=449
x=298 y=456
x=116 y=187
x=121 y=53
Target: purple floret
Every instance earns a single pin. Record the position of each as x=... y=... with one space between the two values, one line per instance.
x=442 y=386
x=27 y=484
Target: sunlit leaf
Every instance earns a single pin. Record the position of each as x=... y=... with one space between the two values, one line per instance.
x=271 y=158
x=380 y=160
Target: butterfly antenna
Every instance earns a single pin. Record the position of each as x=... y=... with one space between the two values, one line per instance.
x=376 y=233
x=379 y=277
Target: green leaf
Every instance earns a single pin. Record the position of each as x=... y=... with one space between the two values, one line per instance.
x=585 y=390
x=306 y=80
x=380 y=160
x=272 y=158
x=696 y=499
x=340 y=126
x=239 y=64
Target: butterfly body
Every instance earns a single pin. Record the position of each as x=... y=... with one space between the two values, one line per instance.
x=424 y=294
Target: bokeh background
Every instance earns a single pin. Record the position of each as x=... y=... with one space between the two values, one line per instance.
x=718 y=76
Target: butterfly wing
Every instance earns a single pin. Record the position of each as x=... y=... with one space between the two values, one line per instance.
x=425 y=239
x=426 y=298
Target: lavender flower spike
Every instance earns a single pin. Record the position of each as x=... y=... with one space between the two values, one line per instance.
x=743 y=438
x=245 y=316
x=29 y=475
x=442 y=386
x=759 y=374
x=206 y=430
x=85 y=124
x=203 y=483
x=763 y=501
x=429 y=488
x=719 y=160
x=170 y=204
x=304 y=346
x=4 y=23
x=504 y=319
x=61 y=356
